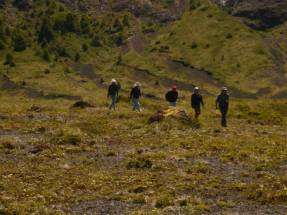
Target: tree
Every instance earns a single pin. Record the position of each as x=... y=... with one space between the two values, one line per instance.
x=2 y=35
x=77 y=57
x=19 y=41
x=85 y=25
x=45 y=33
x=46 y=55
x=9 y=60
x=70 y=23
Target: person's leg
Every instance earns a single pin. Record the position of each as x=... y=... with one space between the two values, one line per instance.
x=197 y=112
x=113 y=104
x=172 y=104
x=223 y=118
x=136 y=104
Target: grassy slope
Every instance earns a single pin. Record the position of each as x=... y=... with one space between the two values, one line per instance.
x=237 y=60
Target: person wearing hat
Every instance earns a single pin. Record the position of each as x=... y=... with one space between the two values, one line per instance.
x=113 y=93
x=196 y=102
x=172 y=96
x=135 y=96
x=222 y=102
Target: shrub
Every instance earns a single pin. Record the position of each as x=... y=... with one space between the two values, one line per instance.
x=164 y=201
x=194 y=45
x=9 y=60
x=96 y=42
x=45 y=33
x=77 y=57
x=19 y=41
x=140 y=163
x=71 y=139
x=85 y=47
x=45 y=55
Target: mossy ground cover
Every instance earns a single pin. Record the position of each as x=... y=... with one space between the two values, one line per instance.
x=55 y=159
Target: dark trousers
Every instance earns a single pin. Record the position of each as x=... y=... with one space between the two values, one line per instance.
x=197 y=111
x=223 y=116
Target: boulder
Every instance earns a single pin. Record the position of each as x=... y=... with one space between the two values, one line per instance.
x=81 y=104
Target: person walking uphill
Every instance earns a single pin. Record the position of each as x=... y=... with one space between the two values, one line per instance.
x=135 y=96
x=172 y=96
x=196 y=102
x=113 y=93
x=222 y=102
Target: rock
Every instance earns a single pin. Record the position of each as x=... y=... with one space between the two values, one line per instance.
x=35 y=108
x=157 y=117
x=262 y=13
x=81 y=104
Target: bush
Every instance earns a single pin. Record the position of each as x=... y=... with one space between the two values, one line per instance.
x=45 y=33
x=45 y=55
x=96 y=42
x=194 y=45
x=164 y=201
x=77 y=57
x=9 y=60
x=85 y=47
x=70 y=139
x=19 y=41
x=140 y=163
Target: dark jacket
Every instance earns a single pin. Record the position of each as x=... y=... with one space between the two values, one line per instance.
x=135 y=93
x=113 y=90
x=223 y=101
x=196 y=100
x=171 y=96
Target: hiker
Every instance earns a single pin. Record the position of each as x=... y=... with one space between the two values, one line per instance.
x=196 y=102
x=172 y=96
x=135 y=96
x=222 y=102
x=113 y=93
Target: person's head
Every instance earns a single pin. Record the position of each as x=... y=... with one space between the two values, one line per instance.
x=113 y=81
x=174 y=88
x=137 y=84
x=224 y=90
x=196 y=90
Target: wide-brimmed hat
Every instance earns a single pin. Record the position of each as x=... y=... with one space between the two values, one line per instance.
x=137 y=84
x=113 y=81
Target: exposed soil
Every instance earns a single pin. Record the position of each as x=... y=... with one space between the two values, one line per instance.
x=9 y=85
x=105 y=207
x=88 y=71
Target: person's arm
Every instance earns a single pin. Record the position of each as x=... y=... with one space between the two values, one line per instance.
x=131 y=94
x=108 y=94
x=201 y=101
x=216 y=103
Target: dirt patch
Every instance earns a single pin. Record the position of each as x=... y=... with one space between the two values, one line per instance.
x=104 y=207
x=7 y=84
x=88 y=71
x=204 y=76
x=193 y=73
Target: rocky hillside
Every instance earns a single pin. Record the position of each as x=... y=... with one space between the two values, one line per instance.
x=264 y=13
